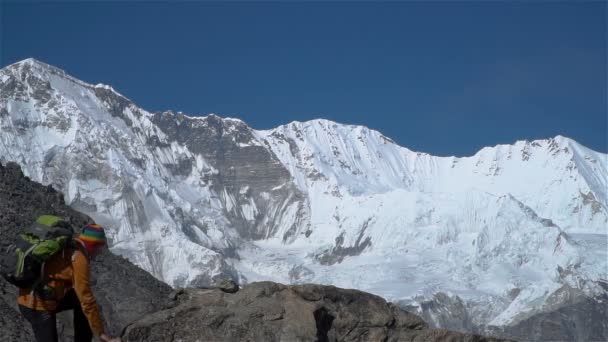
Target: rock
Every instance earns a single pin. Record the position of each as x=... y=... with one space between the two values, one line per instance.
x=228 y=286
x=124 y=292
x=12 y=323
x=174 y=295
x=267 y=311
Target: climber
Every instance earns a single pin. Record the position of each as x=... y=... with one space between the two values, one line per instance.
x=64 y=285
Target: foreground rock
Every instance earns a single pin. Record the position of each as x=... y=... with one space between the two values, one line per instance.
x=267 y=311
x=124 y=291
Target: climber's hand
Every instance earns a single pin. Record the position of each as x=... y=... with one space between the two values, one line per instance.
x=106 y=338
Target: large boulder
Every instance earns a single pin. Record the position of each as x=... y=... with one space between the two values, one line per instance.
x=267 y=311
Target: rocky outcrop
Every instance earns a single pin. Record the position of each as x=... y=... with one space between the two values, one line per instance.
x=267 y=311
x=11 y=322
x=577 y=318
x=124 y=292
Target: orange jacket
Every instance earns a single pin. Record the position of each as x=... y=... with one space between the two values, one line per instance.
x=64 y=271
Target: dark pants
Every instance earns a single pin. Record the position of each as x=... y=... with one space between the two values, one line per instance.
x=44 y=323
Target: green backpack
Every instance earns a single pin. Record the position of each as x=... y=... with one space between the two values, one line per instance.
x=24 y=267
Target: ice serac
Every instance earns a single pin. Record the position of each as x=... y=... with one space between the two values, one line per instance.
x=492 y=241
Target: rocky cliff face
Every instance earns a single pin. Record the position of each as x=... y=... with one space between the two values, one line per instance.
x=195 y=199
x=247 y=175
x=124 y=291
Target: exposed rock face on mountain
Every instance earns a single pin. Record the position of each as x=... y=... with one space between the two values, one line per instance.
x=268 y=311
x=196 y=199
x=569 y=315
x=573 y=317
x=124 y=291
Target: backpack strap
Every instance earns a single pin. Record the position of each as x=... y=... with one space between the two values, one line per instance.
x=21 y=258
x=80 y=247
x=36 y=284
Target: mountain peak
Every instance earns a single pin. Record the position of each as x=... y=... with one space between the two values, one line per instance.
x=558 y=142
x=563 y=141
x=558 y=139
x=325 y=125
x=32 y=62
x=29 y=61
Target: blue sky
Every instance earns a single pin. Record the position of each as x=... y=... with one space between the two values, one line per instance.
x=444 y=78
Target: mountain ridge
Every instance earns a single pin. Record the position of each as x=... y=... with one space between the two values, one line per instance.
x=36 y=62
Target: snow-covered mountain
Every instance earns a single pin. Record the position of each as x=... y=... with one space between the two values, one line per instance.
x=495 y=239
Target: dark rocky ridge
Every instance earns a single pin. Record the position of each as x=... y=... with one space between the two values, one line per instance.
x=267 y=311
x=124 y=291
